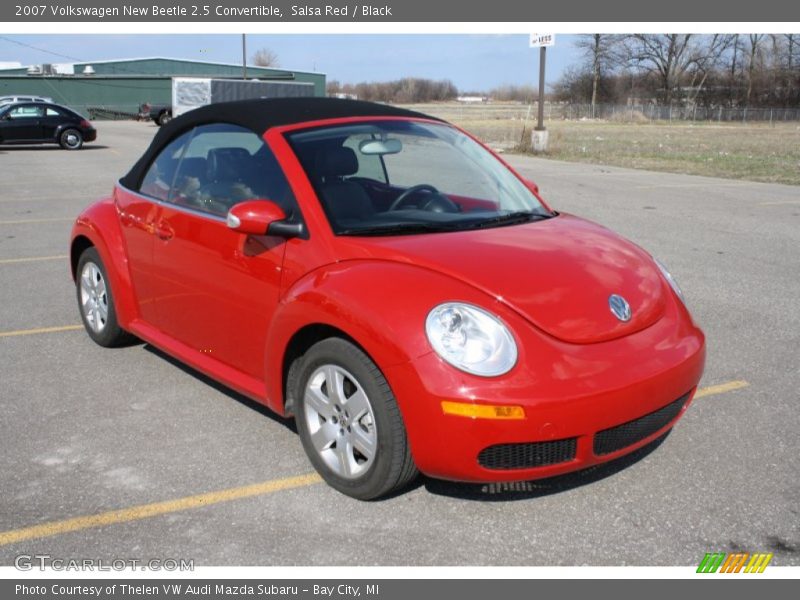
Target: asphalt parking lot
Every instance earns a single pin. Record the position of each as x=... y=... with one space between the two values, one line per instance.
x=87 y=431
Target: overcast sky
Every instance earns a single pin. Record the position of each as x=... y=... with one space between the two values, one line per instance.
x=472 y=62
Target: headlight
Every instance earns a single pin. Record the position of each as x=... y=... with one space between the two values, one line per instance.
x=471 y=339
x=670 y=279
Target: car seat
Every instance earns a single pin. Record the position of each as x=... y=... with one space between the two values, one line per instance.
x=343 y=200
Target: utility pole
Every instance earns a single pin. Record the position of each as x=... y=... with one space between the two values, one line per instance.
x=540 y=133
x=542 y=60
x=244 y=56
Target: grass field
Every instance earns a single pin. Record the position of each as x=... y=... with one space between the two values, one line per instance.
x=752 y=151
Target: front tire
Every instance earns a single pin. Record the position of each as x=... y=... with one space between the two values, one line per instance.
x=96 y=302
x=349 y=422
x=71 y=139
x=164 y=118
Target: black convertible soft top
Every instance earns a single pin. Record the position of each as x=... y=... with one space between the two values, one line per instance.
x=258 y=116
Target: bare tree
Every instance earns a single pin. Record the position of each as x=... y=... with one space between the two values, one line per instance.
x=708 y=57
x=753 y=55
x=733 y=67
x=406 y=90
x=791 y=72
x=333 y=87
x=600 y=50
x=672 y=57
x=265 y=58
x=665 y=56
x=793 y=45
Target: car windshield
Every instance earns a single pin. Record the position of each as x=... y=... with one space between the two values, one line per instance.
x=398 y=177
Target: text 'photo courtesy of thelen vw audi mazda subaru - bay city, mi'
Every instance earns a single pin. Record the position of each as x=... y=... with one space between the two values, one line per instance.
x=393 y=285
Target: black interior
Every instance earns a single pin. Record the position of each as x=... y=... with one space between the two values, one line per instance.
x=353 y=202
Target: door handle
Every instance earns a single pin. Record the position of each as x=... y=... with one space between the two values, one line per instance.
x=164 y=231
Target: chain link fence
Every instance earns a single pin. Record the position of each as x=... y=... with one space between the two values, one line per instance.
x=653 y=112
x=490 y=111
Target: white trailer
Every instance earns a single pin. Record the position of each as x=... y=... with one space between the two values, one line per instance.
x=191 y=92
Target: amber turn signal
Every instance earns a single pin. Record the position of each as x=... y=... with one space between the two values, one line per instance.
x=482 y=411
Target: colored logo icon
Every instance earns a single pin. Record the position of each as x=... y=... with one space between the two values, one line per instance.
x=737 y=562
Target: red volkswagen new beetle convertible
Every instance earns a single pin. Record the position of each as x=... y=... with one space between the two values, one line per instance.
x=394 y=286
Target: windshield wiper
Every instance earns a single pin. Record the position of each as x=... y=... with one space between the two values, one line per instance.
x=512 y=218
x=399 y=229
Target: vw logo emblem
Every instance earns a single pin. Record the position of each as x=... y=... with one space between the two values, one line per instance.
x=620 y=307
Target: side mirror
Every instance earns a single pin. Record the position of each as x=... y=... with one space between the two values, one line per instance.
x=532 y=186
x=261 y=217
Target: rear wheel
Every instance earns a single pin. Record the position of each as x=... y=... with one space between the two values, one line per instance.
x=96 y=302
x=349 y=422
x=71 y=139
x=164 y=118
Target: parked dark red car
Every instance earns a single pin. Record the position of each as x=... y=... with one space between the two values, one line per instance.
x=392 y=284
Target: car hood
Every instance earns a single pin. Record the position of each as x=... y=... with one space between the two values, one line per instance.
x=557 y=273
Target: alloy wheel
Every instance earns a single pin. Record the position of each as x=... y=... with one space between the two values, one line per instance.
x=94 y=297
x=340 y=421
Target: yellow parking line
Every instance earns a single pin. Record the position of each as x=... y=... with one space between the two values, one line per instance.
x=9 y=261
x=715 y=184
x=721 y=388
x=40 y=330
x=145 y=511
x=23 y=221
x=778 y=202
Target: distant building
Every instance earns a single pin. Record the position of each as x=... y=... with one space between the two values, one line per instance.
x=472 y=99
x=117 y=88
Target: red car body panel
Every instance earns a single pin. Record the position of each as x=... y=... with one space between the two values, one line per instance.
x=550 y=260
x=567 y=390
x=579 y=369
x=99 y=226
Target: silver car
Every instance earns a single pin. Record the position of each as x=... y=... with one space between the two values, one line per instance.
x=13 y=99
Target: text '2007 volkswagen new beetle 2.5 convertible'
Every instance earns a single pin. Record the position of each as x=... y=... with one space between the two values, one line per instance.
x=393 y=285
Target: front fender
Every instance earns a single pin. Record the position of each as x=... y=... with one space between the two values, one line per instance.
x=382 y=305
x=99 y=224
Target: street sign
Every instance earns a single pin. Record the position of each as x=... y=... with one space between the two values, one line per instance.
x=539 y=40
x=540 y=134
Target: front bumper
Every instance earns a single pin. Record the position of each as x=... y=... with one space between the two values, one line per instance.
x=584 y=403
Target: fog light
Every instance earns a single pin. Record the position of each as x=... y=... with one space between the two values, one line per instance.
x=482 y=411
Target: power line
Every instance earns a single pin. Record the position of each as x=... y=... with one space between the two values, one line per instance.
x=117 y=68
x=23 y=44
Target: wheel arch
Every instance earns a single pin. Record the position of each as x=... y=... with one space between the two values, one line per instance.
x=78 y=246
x=300 y=343
x=379 y=306
x=98 y=227
x=63 y=127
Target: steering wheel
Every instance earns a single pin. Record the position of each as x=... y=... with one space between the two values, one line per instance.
x=438 y=200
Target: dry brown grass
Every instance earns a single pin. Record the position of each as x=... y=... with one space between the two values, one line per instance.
x=753 y=151
x=635 y=117
x=756 y=152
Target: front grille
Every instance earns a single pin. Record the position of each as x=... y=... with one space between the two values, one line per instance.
x=621 y=436
x=528 y=455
